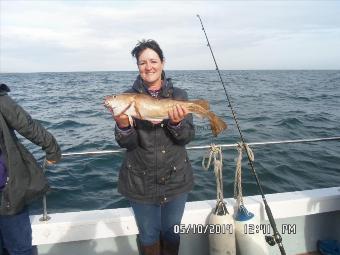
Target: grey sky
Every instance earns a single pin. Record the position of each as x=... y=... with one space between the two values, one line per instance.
x=42 y=36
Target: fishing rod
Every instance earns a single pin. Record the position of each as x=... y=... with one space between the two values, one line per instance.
x=276 y=238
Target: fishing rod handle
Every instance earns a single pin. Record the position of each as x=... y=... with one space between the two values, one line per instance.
x=276 y=235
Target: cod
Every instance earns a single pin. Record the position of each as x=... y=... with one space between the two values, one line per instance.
x=145 y=107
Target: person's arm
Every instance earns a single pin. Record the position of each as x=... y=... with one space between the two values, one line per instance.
x=125 y=134
x=126 y=138
x=17 y=118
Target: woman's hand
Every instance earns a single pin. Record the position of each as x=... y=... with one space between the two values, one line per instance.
x=177 y=114
x=122 y=120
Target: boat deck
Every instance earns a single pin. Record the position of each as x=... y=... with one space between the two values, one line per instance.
x=310 y=215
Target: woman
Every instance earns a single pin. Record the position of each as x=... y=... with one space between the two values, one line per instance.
x=156 y=174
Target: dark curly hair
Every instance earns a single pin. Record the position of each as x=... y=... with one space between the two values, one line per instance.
x=147 y=44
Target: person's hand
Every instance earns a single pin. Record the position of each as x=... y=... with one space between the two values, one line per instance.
x=50 y=162
x=122 y=120
x=176 y=114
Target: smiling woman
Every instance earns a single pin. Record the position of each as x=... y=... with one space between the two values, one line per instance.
x=156 y=174
x=150 y=61
x=150 y=68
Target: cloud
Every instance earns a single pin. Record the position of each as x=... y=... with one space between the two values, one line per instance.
x=99 y=35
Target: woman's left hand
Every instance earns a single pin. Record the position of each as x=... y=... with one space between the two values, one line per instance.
x=177 y=114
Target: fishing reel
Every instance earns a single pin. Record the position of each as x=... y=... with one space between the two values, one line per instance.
x=274 y=239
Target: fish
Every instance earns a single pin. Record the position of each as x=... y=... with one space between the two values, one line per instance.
x=145 y=107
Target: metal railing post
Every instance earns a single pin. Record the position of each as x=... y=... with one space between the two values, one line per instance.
x=45 y=217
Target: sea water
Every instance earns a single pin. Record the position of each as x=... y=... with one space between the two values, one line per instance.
x=270 y=106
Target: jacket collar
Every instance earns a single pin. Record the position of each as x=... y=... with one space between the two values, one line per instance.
x=166 y=89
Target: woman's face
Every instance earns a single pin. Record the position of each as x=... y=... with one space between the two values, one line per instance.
x=150 y=68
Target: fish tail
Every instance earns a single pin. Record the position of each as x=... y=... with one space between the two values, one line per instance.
x=217 y=124
x=203 y=103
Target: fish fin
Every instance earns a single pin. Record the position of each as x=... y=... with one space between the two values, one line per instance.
x=130 y=120
x=126 y=110
x=137 y=111
x=203 y=103
x=197 y=110
x=217 y=124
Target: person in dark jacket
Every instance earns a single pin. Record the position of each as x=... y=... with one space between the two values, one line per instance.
x=156 y=174
x=21 y=178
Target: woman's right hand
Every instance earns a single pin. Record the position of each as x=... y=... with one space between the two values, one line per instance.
x=122 y=120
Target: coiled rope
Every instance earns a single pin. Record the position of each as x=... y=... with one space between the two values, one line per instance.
x=238 y=173
x=215 y=154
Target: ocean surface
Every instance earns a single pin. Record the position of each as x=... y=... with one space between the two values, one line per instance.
x=270 y=106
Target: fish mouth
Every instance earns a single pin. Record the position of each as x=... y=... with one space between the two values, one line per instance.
x=106 y=102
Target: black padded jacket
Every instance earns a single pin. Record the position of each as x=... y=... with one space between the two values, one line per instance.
x=26 y=180
x=156 y=167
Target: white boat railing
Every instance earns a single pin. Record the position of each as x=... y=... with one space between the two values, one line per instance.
x=208 y=146
x=45 y=217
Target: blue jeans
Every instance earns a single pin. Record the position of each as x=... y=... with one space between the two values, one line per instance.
x=158 y=220
x=16 y=233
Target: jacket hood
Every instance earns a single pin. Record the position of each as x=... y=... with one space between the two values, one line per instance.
x=4 y=89
x=166 y=89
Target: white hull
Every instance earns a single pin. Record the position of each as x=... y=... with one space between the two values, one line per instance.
x=302 y=218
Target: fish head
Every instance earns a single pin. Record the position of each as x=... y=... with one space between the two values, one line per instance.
x=118 y=104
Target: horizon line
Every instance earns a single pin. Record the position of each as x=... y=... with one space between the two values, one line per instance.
x=171 y=70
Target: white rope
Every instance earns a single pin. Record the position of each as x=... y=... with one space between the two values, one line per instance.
x=238 y=173
x=216 y=155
